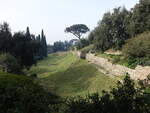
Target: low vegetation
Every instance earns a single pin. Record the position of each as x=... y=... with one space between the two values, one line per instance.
x=119 y=59
x=125 y=98
x=18 y=94
x=9 y=63
x=67 y=75
x=138 y=49
x=63 y=83
x=87 y=49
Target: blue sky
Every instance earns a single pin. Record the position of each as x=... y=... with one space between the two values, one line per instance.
x=55 y=15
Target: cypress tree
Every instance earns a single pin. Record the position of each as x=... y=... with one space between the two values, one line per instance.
x=44 y=44
x=27 y=34
x=29 y=53
x=39 y=53
x=5 y=38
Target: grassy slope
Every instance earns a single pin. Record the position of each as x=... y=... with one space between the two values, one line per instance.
x=67 y=75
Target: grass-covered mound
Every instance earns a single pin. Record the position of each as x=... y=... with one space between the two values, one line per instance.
x=67 y=75
x=18 y=94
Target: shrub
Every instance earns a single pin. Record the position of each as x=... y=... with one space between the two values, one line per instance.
x=18 y=94
x=87 y=49
x=115 y=59
x=82 y=43
x=9 y=63
x=125 y=98
x=138 y=46
x=137 y=49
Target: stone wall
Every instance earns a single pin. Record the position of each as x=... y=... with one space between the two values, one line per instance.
x=118 y=70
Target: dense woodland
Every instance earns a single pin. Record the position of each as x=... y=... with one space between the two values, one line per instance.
x=20 y=50
x=120 y=30
x=125 y=30
x=119 y=25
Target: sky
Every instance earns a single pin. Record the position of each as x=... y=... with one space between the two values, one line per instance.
x=53 y=16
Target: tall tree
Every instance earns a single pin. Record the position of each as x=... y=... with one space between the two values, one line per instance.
x=120 y=22
x=111 y=31
x=140 y=19
x=27 y=34
x=43 y=44
x=22 y=49
x=77 y=30
x=5 y=38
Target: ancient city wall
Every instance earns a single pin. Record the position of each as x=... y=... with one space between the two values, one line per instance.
x=114 y=69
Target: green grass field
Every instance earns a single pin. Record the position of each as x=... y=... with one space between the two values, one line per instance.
x=67 y=75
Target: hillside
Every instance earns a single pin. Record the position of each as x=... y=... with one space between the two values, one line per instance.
x=67 y=75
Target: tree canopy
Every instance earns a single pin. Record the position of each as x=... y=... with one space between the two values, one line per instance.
x=77 y=30
x=22 y=45
x=119 y=25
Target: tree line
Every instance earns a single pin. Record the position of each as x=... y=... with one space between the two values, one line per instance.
x=59 y=46
x=119 y=25
x=125 y=30
x=25 y=47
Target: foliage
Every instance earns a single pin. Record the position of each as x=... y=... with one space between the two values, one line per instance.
x=50 y=49
x=82 y=43
x=91 y=37
x=129 y=62
x=22 y=49
x=77 y=30
x=87 y=49
x=140 y=18
x=9 y=63
x=138 y=48
x=18 y=94
x=111 y=31
x=43 y=44
x=119 y=25
x=23 y=46
x=126 y=98
x=61 y=46
x=5 y=38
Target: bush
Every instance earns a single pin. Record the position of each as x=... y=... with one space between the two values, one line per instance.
x=138 y=46
x=9 y=63
x=82 y=43
x=125 y=98
x=115 y=59
x=87 y=49
x=18 y=94
x=137 y=49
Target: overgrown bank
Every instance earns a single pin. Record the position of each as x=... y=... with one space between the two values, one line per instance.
x=125 y=30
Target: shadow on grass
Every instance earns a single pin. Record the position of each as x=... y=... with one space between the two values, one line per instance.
x=74 y=80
